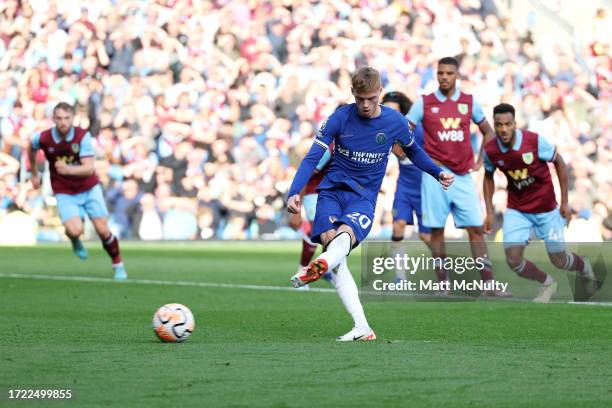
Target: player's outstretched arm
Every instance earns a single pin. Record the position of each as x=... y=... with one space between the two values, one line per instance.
x=561 y=170
x=487 y=134
x=488 y=188
x=424 y=162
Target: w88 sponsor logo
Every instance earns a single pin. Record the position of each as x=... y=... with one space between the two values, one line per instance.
x=451 y=135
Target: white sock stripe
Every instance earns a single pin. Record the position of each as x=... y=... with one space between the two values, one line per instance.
x=109 y=239
x=521 y=267
x=569 y=260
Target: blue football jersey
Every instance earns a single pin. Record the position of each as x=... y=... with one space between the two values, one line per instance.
x=362 y=147
x=361 y=151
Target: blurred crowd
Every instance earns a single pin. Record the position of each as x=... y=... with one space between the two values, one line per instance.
x=201 y=110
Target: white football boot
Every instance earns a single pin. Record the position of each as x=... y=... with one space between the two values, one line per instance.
x=358 y=335
x=546 y=292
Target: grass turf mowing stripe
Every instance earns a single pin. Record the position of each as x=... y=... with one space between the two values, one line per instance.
x=158 y=282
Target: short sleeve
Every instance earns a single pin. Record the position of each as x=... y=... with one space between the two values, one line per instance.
x=488 y=165
x=415 y=115
x=87 y=149
x=477 y=114
x=36 y=141
x=546 y=151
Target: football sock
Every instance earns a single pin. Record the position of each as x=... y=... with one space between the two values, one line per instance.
x=349 y=294
x=574 y=262
x=111 y=246
x=308 y=251
x=486 y=273
x=337 y=249
x=528 y=270
x=397 y=249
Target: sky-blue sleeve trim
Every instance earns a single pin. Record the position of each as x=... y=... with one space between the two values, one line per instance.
x=477 y=113
x=415 y=115
x=546 y=151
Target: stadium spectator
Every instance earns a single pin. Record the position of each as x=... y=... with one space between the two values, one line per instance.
x=242 y=84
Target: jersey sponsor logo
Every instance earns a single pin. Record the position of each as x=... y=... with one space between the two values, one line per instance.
x=381 y=138
x=75 y=147
x=462 y=108
x=519 y=174
x=528 y=158
x=450 y=123
x=454 y=135
x=521 y=178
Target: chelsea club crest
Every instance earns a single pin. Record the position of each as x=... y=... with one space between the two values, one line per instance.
x=381 y=138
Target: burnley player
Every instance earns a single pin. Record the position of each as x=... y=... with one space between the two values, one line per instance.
x=407 y=200
x=70 y=153
x=523 y=157
x=363 y=134
x=309 y=199
x=446 y=115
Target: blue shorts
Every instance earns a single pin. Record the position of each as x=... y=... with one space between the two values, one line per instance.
x=90 y=203
x=342 y=206
x=310 y=206
x=549 y=226
x=460 y=199
x=405 y=203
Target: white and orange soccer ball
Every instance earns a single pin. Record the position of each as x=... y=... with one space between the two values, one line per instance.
x=173 y=323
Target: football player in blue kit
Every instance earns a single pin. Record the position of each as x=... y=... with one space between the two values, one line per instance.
x=363 y=133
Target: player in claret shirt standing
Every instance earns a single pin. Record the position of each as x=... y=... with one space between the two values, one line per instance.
x=446 y=115
x=70 y=153
x=523 y=157
x=363 y=134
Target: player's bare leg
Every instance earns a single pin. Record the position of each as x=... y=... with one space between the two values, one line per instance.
x=74 y=229
x=528 y=270
x=399 y=226
x=111 y=246
x=438 y=250
x=479 y=250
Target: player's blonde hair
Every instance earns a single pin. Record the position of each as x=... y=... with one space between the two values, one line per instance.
x=366 y=79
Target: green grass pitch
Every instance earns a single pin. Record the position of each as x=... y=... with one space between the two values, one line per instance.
x=275 y=348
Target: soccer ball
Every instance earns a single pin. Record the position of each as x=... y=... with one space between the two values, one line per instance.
x=173 y=323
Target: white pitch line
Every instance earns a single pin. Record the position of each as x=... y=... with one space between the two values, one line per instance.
x=590 y=303
x=158 y=282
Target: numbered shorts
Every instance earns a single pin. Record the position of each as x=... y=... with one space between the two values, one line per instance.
x=549 y=226
x=460 y=199
x=310 y=206
x=405 y=203
x=337 y=207
x=90 y=203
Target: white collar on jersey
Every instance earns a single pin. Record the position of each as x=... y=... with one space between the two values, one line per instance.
x=518 y=140
x=56 y=137
x=454 y=97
